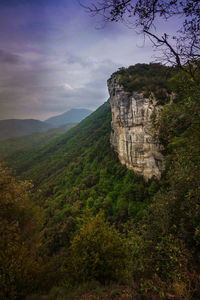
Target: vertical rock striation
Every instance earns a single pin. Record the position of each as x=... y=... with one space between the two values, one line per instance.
x=133 y=136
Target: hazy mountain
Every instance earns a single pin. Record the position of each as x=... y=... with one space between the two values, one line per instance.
x=16 y=127
x=71 y=116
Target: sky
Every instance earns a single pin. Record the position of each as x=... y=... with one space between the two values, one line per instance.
x=54 y=57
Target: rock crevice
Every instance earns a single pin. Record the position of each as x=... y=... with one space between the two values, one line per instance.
x=133 y=136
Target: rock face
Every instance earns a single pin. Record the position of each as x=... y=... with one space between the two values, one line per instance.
x=133 y=136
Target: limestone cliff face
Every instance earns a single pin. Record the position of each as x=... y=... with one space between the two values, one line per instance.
x=133 y=136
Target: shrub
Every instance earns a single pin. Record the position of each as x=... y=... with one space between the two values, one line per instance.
x=97 y=252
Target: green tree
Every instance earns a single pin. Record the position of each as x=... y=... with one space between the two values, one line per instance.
x=97 y=252
x=165 y=243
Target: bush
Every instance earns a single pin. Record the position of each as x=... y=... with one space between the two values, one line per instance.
x=97 y=252
x=20 y=264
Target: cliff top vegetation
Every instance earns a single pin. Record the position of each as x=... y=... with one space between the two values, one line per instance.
x=150 y=78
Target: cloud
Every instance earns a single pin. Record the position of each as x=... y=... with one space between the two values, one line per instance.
x=68 y=86
x=75 y=59
x=54 y=59
x=47 y=85
x=9 y=58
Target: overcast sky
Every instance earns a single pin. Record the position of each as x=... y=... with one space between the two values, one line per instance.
x=54 y=58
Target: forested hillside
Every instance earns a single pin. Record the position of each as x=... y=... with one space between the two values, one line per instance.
x=14 y=127
x=82 y=165
x=102 y=230
x=21 y=143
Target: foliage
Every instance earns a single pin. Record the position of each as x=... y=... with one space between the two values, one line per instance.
x=97 y=252
x=79 y=170
x=20 y=265
x=77 y=175
x=151 y=79
x=165 y=242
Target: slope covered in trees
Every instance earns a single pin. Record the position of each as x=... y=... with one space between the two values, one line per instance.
x=17 y=144
x=14 y=127
x=81 y=165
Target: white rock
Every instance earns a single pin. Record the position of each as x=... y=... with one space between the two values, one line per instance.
x=133 y=136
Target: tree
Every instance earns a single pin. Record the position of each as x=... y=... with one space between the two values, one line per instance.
x=181 y=49
x=166 y=240
x=20 y=264
x=97 y=252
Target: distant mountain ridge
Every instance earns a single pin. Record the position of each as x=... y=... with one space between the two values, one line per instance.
x=72 y=116
x=15 y=127
x=12 y=128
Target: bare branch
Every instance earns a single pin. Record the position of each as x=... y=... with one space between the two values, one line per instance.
x=182 y=50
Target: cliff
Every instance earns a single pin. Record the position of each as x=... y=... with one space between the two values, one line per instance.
x=133 y=136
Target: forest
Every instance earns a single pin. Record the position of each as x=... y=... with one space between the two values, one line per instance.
x=76 y=223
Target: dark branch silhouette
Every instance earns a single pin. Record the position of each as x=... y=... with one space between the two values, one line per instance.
x=182 y=49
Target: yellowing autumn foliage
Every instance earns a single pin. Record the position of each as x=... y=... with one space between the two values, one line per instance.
x=19 y=238
x=97 y=252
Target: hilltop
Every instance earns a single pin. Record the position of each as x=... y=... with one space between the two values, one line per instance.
x=71 y=116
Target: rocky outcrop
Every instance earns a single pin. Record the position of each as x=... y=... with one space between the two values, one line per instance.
x=133 y=136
